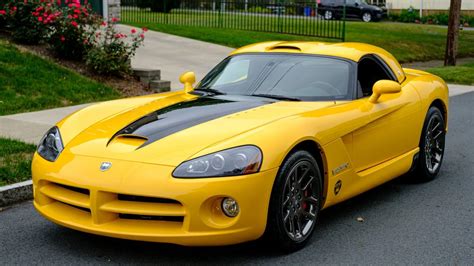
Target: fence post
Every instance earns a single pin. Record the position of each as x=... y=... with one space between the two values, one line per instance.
x=164 y=12
x=280 y=24
x=344 y=22
x=219 y=16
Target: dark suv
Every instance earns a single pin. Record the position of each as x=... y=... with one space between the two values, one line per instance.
x=333 y=9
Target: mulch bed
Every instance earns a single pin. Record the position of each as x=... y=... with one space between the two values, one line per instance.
x=127 y=86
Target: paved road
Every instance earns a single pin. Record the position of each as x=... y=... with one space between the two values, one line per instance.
x=430 y=223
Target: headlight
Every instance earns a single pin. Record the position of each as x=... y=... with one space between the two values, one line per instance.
x=51 y=145
x=242 y=160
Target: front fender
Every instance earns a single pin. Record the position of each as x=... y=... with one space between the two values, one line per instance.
x=79 y=121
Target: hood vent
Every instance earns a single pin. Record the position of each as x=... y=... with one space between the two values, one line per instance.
x=283 y=47
x=126 y=143
x=123 y=137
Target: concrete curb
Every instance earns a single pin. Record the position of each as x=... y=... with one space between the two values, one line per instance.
x=16 y=193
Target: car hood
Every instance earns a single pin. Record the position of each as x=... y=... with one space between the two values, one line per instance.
x=168 y=132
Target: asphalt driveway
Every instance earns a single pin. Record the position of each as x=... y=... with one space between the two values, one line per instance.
x=404 y=223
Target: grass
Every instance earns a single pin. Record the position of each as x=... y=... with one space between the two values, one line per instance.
x=461 y=74
x=15 y=161
x=30 y=83
x=407 y=42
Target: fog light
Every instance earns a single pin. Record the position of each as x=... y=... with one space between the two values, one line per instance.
x=230 y=207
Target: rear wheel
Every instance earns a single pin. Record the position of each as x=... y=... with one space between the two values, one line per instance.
x=295 y=202
x=432 y=144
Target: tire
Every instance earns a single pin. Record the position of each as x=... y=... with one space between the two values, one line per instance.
x=328 y=15
x=367 y=17
x=432 y=144
x=294 y=206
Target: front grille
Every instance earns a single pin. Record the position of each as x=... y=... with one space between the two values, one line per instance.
x=133 y=198
x=74 y=197
x=77 y=207
x=75 y=189
x=152 y=218
x=109 y=206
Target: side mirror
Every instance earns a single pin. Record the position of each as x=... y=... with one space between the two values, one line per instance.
x=188 y=79
x=384 y=87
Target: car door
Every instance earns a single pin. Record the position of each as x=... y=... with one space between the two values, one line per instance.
x=394 y=122
x=352 y=8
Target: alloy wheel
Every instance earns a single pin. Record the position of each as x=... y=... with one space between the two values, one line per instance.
x=366 y=17
x=328 y=15
x=300 y=204
x=434 y=144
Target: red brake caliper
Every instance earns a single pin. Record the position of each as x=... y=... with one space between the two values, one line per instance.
x=304 y=203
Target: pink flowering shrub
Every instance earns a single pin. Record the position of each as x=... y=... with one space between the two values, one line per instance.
x=73 y=31
x=24 y=27
x=64 y=24
x=70 y=30
x=112 y=51
x=3 y=15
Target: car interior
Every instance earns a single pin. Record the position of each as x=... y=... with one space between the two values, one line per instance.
x=370 y=70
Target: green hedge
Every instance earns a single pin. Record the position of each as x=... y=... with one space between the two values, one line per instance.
x=413 y=16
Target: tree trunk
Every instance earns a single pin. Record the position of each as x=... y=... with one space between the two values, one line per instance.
x=453 y=33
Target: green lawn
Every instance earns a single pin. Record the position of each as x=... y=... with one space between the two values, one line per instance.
x=15 y=161
x=29 y=83
x=461 y=74
x=408 y=42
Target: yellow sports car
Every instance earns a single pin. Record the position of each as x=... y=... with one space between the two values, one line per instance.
x=272 y=135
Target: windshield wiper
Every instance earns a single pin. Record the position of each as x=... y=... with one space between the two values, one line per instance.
x=211 y=91
x=277 y=97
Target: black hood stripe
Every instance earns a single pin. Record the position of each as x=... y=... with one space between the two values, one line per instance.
x=183 y=115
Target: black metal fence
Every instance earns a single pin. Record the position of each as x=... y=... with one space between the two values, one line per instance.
x=297 y=17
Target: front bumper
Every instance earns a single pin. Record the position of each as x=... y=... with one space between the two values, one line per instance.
x=144 y=202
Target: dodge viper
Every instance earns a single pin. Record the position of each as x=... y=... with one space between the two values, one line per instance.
x=275 y=133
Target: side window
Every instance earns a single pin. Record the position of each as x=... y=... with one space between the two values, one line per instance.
x=369 y=71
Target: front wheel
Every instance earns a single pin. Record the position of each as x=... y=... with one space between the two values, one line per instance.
x=432 y=144
x=367 y=17
x=295 y=202
x=328 y=15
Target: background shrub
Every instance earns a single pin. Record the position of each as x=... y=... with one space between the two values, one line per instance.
x=112 y=51
x=2 y=18
x=409 y=15
x=69 y=33
x=412 y=15
x=469 y=20
x=438 y=19
x=259 y=9
x=25 y=28
x=141 y=3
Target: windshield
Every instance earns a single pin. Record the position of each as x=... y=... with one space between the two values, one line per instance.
x=303 y=77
